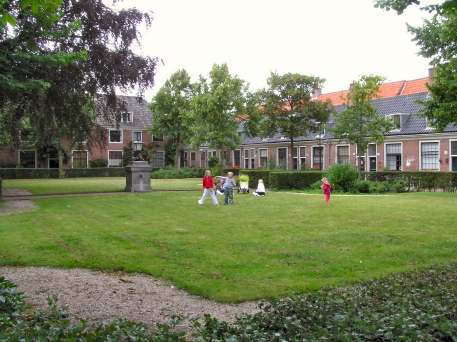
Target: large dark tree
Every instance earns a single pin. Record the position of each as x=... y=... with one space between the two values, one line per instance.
x=437 y=39
x=90 y=49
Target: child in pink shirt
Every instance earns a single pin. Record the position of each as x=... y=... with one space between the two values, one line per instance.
x=327 y=188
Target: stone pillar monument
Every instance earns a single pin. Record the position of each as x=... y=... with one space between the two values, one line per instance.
x=138 y=177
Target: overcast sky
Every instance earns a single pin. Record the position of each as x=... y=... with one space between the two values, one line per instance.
x=338 y=40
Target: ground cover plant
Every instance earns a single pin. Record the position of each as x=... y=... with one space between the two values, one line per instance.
x=99 y=184
x=268 y=247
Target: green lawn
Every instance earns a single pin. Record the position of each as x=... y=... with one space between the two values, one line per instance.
x=101 y=184
x=259 y=248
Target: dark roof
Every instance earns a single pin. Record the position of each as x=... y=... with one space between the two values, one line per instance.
x=408 y=106
x=138 y=107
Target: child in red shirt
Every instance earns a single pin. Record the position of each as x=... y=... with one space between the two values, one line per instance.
x=327 y=188
x=208 y=189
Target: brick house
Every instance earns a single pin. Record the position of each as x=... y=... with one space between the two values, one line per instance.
x=106 y=146
x=411 y=146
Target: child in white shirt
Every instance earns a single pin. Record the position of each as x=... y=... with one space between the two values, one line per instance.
x=260 y=189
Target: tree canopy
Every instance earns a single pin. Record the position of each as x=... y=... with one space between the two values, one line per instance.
x=437 y=40
x=360 y=123
x=171 y=107
x=287 y=107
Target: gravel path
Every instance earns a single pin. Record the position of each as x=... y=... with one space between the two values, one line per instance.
x=101 y=297
x=11 y=206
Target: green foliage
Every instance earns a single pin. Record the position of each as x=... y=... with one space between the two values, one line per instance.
x=98 y=163
x=294 y=179
x=360 y=122
x=415 y=306
x=255 y=175
x=342 y=177
x=215 y=107
x=287 y=107
x=171 y=107
x=16 y=173
x=437 y=40
x=53 y=324
x=172 y=173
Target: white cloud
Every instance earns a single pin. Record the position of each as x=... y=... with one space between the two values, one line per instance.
x=334 y=39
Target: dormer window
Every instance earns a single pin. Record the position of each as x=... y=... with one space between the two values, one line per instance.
x=396 y=120
x=126 y=117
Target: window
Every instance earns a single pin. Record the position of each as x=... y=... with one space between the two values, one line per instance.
x=252 y=157
x=372 y=157
x=263 y=158
x=193 y=159
x=203 y=159
x=53 y=158
x=302 y=156
x=430 y=155
x=137 y=136
x=453 y=157
x=396 y=120
x=246 y=159
x=237 y=158
x=282 y=157
x=299 y=157
x=183 y=158
x=126 y=117
x=158 y=159
x=79 y=159
x=115 y=136
x=318 y=157
x=393 y=157
x=295 y=158
x=114 y=158
x=342 y=154
x=225 y=157
x=27 y=159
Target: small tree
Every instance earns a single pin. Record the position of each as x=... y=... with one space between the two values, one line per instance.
x=171 y=111
x=286 y=106
x=215 y=107
x=360 y=123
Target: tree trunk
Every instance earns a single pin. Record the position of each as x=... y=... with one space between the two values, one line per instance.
x=178 y=155
x=61 y=168
x=291 y=154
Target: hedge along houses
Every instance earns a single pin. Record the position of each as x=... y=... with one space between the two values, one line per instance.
x=411 y=146
x=105 y=149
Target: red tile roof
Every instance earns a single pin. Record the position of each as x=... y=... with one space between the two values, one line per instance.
x=390 y=89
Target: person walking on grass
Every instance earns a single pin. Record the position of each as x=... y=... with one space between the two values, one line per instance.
x=228 y=186
x=327 y=189
x=209 y=189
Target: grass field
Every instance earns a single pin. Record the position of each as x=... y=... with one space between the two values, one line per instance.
x=259 y=248
x=101 y=184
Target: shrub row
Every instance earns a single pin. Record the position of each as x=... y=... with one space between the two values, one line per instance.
x=415 y=306
x=294 y=180
x=18 y=173
x=172 y=173
x=418 y=181
x=255 y=175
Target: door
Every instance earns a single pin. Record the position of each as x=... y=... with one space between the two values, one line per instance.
x=454 y=164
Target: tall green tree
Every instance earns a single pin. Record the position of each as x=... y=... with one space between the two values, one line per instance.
x=360 y=123
x=171 y=111
x=218 y=101
x=287 y=107
x=437 y=39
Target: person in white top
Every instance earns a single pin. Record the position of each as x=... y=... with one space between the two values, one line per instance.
x=260 y=189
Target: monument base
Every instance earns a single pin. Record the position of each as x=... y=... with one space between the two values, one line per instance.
x=138 y=177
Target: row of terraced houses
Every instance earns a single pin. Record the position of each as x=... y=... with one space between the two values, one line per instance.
x=411 y=146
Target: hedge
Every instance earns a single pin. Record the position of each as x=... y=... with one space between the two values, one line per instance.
x=255 y=175
x=420 y=180
x=18 y=173
x=294 y=179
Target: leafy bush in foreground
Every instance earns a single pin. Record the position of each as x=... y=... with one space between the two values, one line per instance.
x=343 y=177
x=415 y=306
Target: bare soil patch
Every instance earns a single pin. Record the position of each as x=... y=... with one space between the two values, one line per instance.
x=10 y=205
x=101 y=297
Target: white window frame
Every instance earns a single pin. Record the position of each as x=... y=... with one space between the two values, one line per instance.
x=259 y=163
x=246 y=158
x=439 y=154
x=133 y=136
x=402 y=154
x=391 y=117
x=323 y=156
x=87 y=156
x=122 y=152
x=299 y=156
x=252 y=155
x=367 y=163
x=131 y=117
x=203 y=162
x=36 y=156
x=116 y=142
x=349 y=153
x=287 y=156
x=450 y=153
